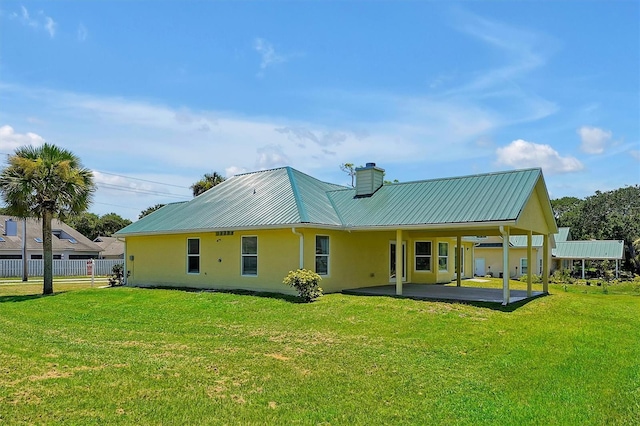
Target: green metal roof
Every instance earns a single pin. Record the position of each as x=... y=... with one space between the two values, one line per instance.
x=490 y=197
x=274 y=197
x=288 y=197
x=562 y=235
x=521 y=241
x=600 y=249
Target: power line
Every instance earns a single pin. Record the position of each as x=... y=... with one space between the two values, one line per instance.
x=139 y=191
x=143 y=180
x=115 y=205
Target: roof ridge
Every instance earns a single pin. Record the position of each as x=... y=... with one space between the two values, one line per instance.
x=302 y=211
x=261 y=171
x=504 y=172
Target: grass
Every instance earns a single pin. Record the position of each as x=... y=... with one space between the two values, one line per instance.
x=122 y=355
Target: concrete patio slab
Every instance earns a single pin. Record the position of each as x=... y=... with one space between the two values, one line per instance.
x=444 y=293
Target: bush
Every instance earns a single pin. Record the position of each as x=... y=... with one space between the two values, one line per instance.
x=117 y=275
x=535 y=279
x=561 y=276
x=305 y=282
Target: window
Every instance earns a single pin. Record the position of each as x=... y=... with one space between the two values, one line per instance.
x=37 y=240
x=443 y=256
x=36 y=257
x=249 y=255
x=322 y=255
x=423 y=255
x=523 y=266
x=193 y=255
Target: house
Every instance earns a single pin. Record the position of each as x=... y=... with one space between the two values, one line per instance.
x=111 y=247
x=250 y=230
x=568 y=251
x=67 y=243
x=488 y=254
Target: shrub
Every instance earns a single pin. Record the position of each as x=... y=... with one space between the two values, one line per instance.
x=117 y=275
x=535 y=279
x=561 y=276
x=305 y=282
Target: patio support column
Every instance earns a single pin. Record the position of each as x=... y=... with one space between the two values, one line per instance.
x=545 y=263
x=583 y=269
x=399 y=264
x=459 y=249
x=505 y=262
x=529 y=259
x=616 y=268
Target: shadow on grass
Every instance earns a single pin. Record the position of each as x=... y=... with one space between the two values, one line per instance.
x=26 y=297
x=494 y=306
x=277 y=296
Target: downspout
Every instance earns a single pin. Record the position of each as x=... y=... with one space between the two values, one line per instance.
x=124 y=263
x=505 y=265
x=301 y=246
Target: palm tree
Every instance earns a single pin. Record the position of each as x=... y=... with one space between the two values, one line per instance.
x=208 y=181
x=46 y=182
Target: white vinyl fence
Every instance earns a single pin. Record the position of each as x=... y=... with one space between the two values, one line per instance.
x=61 y=268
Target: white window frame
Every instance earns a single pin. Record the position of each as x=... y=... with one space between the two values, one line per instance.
x=416 y=256
x=190 y=255
x=522 y=272
x=327 y=255
x=243 y=255
x=446 y=257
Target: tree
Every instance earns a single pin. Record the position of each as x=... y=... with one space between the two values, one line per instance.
x=610 y=215
x=85 y=223
x=349 y=169
x=208 y=181
x=46 y=182
x=150 y=210
x=109 y=223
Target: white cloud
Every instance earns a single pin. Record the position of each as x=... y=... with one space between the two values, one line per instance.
x=271 y=156
x=234 y=170
x=594 y=140
x=39 y=21
x=50 y=26
x=523 y=154
x=10 y=140
x=83 y=33
x=267 y=53
x=635 y=154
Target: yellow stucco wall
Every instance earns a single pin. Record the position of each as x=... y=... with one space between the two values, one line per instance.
x=356 y=259
x=532 y=216
x=493 y=258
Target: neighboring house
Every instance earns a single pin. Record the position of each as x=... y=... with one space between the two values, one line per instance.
x=568 y=251
x=111 y=247
x=488 y=253
x=67 y=243
x=250 y=230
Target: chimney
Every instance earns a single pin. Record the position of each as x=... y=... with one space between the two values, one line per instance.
x=368 y=180
x=10 y=228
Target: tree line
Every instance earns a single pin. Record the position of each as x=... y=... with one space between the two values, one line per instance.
x=610 y=215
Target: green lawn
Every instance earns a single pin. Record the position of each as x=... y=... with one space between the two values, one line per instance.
x=121 y=355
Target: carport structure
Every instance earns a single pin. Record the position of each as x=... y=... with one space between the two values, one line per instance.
x=590 y=250
x=494 y=204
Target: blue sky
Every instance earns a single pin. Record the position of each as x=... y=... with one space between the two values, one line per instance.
x=152 y=95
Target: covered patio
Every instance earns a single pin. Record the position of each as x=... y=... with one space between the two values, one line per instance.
x=441 y=292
